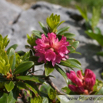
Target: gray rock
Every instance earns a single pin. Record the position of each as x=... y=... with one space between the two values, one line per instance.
x=8 y=13
x=8 y=16
x=45 y=5
x=17 y=24
x=28 y=21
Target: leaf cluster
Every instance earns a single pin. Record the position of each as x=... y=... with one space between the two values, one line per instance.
x=91 y=24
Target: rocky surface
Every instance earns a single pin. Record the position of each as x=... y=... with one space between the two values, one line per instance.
x=16 y=23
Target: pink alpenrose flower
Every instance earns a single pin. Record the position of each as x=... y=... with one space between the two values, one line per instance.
x=82 y=84
x=51 y=49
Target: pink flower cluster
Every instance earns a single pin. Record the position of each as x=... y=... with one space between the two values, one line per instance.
x=51 y=49
x=83 y=84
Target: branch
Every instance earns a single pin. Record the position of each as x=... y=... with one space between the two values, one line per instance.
x=33 y=69
x=24 y=99
x=48 y=80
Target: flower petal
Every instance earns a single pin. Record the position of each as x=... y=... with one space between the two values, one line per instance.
x=50 y=55
x=76 y=89
x=89 y=74
x=79 y=74
x=80 y=89
x=41 y=57
x=89 y=83
x=72 y=87
x=63 y=41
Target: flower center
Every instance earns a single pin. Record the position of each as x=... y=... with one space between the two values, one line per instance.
x=52 y=49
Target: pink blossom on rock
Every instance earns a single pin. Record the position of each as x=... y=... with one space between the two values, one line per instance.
x=82 y=84
x=51 y=49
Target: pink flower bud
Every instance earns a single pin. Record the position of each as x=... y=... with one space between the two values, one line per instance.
x=82 y=84
x=89 y=74
x=72 y=87
x=86 y=92
x=76 y=89
x=73 y=77
x=89 y=83
x=80 y=90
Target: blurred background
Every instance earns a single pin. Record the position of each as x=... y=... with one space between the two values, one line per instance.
x=66 y=3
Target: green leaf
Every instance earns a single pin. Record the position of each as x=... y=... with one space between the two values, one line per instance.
x=3 y=99
x=97 y=30
x=23 y=67
x=62 y=30
x=9 y=86
x=13 y=46
x=60 y=23
x=31 y=88
x=53 y=22
x=100 y=91
x=11 y=98
x=3 y=42
x=97 y=37
x=28 y=46
x=12 y=58
x=71 y=63
x=36 y=33
x=83 y=12
x=100 y=53
x=7 y=98
x=35 y=60
x=70 y=41
x=31 y=83
x=69 y=35
x=21 y=85
x=63 y=99
x=51 y=93
x=58 y=68
x=44 y=88
x=43 y=27
x=45 y=100
x=71 y=49
x=31 y=40
x=36 y=100
x=28 y=86
x=6 y=41
x=72 y=46
x=66 y=90
x=26 y=56
x=1 y=84
x=48 y=69
x=37 y=79
x=4 y=62
x=20 y=52
x=15 y=92
x=75 y=44
x=95 y=16
x=76 y=52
